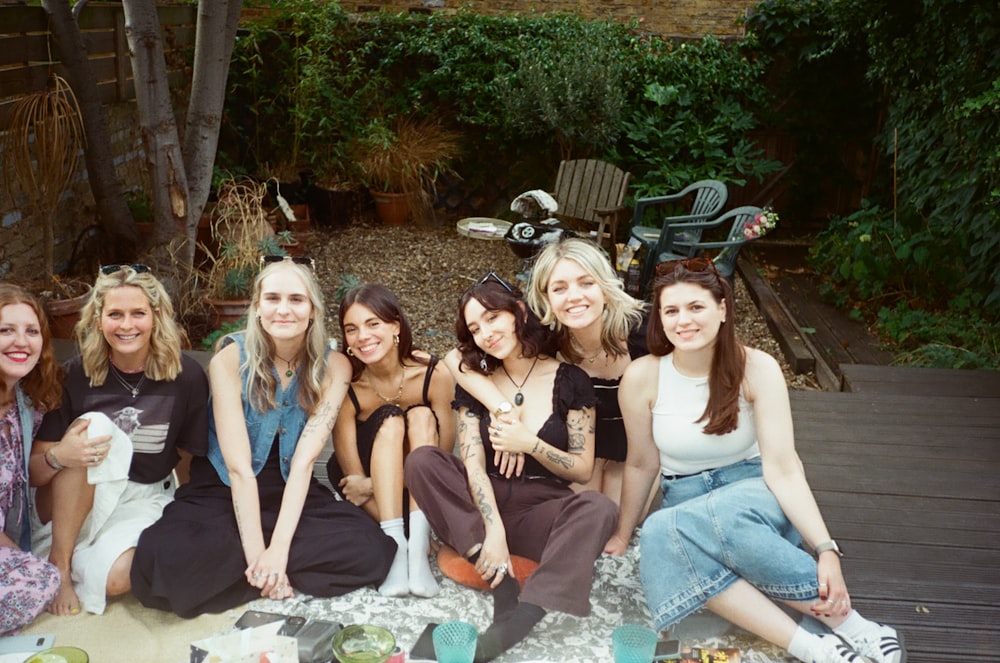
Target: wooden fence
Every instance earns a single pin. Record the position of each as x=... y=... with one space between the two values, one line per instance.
x=29 y=54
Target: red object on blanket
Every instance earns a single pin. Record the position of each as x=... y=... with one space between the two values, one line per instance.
x=462 y=571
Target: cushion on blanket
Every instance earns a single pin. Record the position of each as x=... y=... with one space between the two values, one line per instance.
x=462 y=571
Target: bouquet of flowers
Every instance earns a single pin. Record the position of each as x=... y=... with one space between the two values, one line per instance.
x=763 y=222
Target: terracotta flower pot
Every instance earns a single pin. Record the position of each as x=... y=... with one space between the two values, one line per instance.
x=63 y=314
x=221 y=311
x=392 y=208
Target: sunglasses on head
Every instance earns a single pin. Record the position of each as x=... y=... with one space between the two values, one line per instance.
x=496 y=277
x=690 y=264
x=298 y=260
x=111 y=269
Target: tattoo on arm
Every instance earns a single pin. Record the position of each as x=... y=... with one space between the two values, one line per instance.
x=323 y=419
x=484 y=506
x=559 y=458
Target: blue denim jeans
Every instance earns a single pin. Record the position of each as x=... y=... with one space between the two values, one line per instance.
x=715 y=528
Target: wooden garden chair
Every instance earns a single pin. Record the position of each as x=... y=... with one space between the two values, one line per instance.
x=590 y=194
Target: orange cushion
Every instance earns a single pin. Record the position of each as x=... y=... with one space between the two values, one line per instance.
x=462 y=571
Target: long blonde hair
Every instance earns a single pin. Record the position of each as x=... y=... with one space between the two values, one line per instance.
x=621 y=313
x=165 y=341
x=263 y=385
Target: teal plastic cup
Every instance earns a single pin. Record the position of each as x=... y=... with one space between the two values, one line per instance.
x=633 y=643
x=455 y=642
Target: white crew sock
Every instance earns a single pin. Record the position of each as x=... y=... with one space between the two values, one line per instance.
x=396 y=583
x=804 y=644
x=422 y=580
x=854 y=626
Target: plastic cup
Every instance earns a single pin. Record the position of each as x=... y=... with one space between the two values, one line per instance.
x=455 y=642
x=633 y=643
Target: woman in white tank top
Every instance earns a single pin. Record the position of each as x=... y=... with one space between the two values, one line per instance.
x=712 y=417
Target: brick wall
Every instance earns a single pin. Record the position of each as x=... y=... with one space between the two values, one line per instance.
x=673 y=18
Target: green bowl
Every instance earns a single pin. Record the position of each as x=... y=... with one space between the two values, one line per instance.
x=363 y=643
x=59 y=655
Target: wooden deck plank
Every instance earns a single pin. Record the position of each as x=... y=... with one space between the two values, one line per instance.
x=908 y=481
x=865 y=378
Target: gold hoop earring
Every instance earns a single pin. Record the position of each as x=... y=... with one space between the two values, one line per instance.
x=395 y=339
x=350 y=351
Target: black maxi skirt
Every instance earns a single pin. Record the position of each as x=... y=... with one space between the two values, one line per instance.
x=191 y=561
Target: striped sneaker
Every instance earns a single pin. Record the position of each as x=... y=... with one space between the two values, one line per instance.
x=833 y=650
x=881 y=644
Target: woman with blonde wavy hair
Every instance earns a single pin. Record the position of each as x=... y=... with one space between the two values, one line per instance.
x=133 y=409
x=254 y=522
x=600 y=328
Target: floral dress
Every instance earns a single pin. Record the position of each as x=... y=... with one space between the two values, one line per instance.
x=27 y=583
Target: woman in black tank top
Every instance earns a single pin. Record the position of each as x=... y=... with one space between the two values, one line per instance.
x=398 y=400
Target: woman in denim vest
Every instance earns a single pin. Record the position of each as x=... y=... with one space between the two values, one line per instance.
x=254 y=522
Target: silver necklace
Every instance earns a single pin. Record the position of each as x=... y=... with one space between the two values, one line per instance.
x=129 y=387
x=519 y=397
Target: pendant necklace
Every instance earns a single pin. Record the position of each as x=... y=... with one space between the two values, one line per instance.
x=399 y=392
x=519 y=397
x=131 y=388
x=288 y=372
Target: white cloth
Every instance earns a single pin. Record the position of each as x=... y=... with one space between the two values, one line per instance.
x=531 y=202
x=122 y=510
x=116 y=464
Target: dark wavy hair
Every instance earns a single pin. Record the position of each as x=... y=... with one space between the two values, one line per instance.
x=43 y=384
x=729 y=361
x=535 y=338
x=387 y=308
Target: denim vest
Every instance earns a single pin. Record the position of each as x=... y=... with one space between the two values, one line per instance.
x=26 y=414
x=286 y=421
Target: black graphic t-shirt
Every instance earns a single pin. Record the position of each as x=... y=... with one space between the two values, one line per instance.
x=162 y=417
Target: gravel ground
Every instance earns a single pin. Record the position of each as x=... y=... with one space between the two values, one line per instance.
x=428 y=267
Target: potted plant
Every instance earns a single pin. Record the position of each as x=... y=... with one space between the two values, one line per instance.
x=41 y=149
x=243 y=234
x=399 y=161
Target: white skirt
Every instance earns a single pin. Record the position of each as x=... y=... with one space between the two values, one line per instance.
x=122 y=510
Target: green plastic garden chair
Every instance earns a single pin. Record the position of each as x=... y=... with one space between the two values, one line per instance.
x=707 y=197
x=729 y=249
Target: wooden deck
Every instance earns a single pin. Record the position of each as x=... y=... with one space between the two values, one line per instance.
x=906 y=469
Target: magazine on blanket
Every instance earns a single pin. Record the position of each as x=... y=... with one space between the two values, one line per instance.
x=710 y=655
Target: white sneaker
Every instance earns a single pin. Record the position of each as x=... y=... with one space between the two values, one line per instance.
x=881 y=644
x=834 y=650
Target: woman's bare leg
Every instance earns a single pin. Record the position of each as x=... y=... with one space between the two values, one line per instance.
x=421 y=430
x=387 y=489
x=119 y=577
x=67 y=502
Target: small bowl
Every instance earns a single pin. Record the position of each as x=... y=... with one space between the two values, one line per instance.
x=59 y=655
x=363 y=643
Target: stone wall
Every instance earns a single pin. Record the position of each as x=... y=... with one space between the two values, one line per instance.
x=672 y=18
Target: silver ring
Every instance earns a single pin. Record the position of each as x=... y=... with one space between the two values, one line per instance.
x=499 y=427
x=95 y=459
x=256 y=576
x=502 y=569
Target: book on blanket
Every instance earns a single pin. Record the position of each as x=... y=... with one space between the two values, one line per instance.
x=710 y=655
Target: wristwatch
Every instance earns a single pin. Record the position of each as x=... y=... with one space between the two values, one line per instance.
x=828 y=545
x=503 y=408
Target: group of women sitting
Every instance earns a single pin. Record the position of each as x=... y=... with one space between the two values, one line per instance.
x=570 y=415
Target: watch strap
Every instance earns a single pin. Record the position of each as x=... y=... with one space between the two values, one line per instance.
x=828 y=545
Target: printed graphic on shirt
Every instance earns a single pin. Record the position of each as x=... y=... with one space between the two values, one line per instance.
x=146 y=420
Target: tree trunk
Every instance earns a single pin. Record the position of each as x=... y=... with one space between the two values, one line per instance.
x=159 y=135
x=214 y=41
x=113 y=213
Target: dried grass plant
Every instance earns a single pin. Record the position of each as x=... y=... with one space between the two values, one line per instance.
x=41 y=154
x=406 y=156
x=242 y=232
